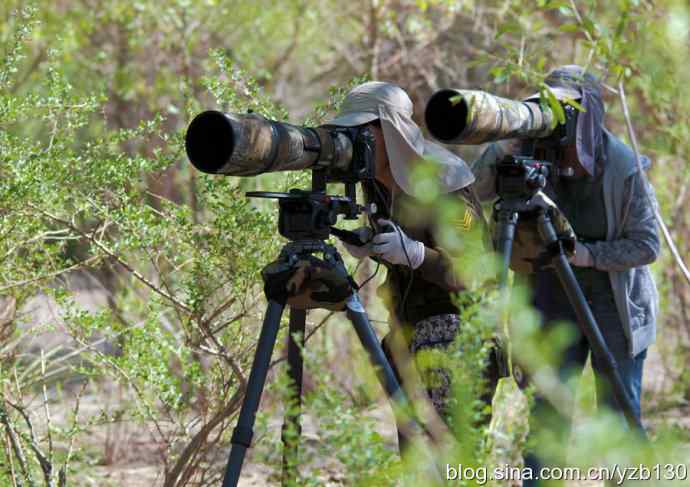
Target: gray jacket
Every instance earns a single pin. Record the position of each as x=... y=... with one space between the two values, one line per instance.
x=632 y=241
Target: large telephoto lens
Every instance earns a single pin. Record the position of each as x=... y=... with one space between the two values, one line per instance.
x=475 y=117
x=210 y=141
x=249 y=145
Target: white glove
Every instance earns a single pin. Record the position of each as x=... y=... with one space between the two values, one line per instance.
x=361 y=251
x=396 y=247
x=582 y=257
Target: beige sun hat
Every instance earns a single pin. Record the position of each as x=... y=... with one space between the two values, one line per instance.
x=405 y=144
x=564 y=83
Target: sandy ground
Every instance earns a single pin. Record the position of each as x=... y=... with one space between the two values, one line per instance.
x=127 y=455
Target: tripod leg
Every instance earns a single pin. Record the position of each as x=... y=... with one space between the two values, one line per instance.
x=243 y=432
x=358 y=316
x=405 y=419
x=587 y=322
x=507 y=222
x=292 y=415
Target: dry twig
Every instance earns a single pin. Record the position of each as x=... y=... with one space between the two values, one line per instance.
x=633 y=140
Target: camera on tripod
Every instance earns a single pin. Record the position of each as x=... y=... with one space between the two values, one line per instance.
x=474 y=117
x=250 y=144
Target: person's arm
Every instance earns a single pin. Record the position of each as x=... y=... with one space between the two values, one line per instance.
x=431 y=263
x=437 y=267
x=639 y=243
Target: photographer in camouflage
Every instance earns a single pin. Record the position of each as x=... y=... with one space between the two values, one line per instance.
x=420 y=278
x=610 y=206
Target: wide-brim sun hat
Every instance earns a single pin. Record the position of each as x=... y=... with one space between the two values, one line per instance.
x=561 y=94
x=405 y=143
x=573 y=82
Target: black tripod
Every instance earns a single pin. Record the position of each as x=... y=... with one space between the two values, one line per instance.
x=508 y=214
x=291 y=255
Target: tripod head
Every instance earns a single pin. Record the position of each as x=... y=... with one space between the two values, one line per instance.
x=306 y=219
x=520 y=181
x=518 y=178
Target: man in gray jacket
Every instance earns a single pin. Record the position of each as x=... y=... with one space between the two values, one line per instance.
x=611 y=207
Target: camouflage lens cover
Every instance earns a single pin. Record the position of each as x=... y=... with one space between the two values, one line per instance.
x=308 y=284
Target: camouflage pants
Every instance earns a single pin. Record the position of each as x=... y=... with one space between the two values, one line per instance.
x=437 y=333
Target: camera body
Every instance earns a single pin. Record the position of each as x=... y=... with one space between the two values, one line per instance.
x=308 y=215
x=362 y=156
x=250 y=144
x=519 y=177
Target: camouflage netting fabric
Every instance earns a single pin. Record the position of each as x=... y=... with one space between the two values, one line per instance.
x=310 y=283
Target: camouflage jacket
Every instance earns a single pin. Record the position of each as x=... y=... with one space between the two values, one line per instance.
x=632 y=241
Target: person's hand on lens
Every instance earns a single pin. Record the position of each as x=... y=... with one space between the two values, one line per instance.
x=582 y=257
x=397 y=248
x=364 y=250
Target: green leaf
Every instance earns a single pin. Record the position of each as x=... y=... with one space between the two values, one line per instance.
x=570 y=27
x=557 y=4
x=454 y=100
x=508 y=28
x=575 y=104
x=555 y=105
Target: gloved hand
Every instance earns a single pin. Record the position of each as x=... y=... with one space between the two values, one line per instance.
x=540 y=200
x=582 y=257
x=396 y=247
x=363 y=251
x=528 y=247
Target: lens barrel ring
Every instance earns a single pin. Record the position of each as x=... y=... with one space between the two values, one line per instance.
x=327 y=146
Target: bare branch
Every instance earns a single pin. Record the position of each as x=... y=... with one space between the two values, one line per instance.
x=46 y=409
x=120 y=261
x=633 y=140
x=44 y=462
x=172 y=478
x=16 y=445
x=50 y=275
x=8 y=454
x=62 y=475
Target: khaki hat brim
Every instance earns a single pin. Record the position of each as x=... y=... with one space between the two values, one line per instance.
x=406 y=146
x=353 y=119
